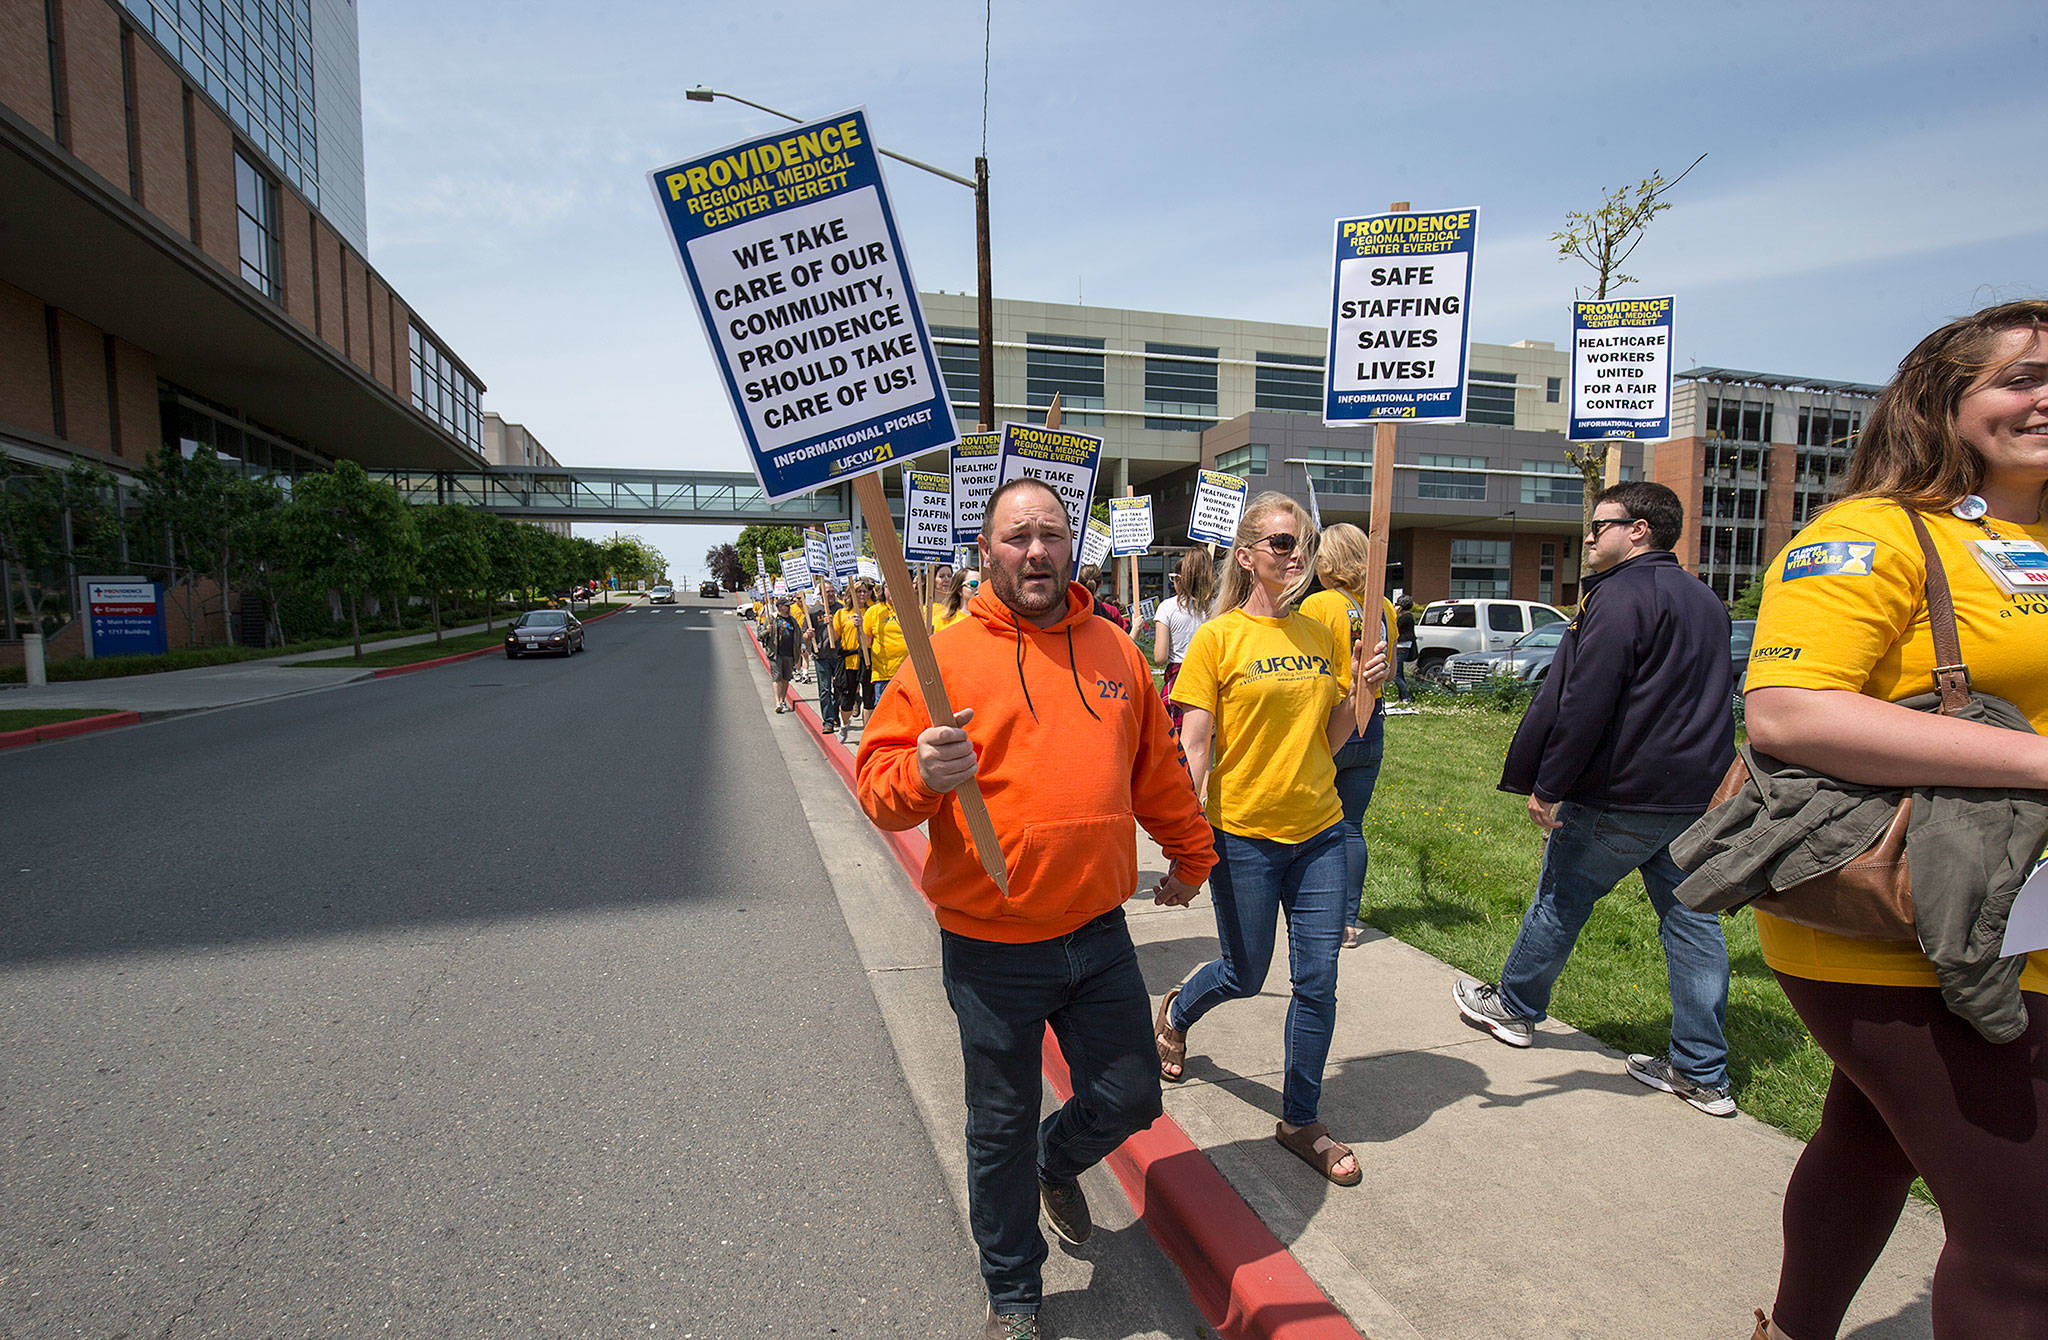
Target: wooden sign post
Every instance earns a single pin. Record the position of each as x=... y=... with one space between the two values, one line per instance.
x=1380 y=529
x=903 y=590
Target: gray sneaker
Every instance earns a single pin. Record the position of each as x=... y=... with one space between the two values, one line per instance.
x=1066 y=1209
x=1481 y=1003
x=1010 y=1326
x=1659 y=1073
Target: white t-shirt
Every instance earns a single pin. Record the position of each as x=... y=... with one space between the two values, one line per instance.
x=1181 y=621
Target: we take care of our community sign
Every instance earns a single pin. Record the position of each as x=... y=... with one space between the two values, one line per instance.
x=799 y=277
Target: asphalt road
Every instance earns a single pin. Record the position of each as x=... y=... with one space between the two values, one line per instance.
x=509 y=998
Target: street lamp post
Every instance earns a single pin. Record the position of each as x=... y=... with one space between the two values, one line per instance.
x=985 y=306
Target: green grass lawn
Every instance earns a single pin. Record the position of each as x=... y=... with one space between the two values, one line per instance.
x=21 y=718
x=1454 y=862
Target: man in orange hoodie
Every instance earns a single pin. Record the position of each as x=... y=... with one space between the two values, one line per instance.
x=1057 y=721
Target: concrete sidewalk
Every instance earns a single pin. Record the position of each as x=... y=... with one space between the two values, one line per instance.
x=1507 y=1192
x=210 y=686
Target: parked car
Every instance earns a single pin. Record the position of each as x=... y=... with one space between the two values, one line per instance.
x=555 y=631
x=1529 y=659
x=1448 y=627
x=707 y=590
x=662 y=595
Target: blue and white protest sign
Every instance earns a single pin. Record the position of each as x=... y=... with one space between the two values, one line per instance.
x=839 y=539
x=1130 y=526
x=1064 y=460
x=927 y=517
x=124 y=616
x=1095 y=543
x=796 y=571
x=799 y=277
x=977 y=458
x=1399 y=299
x=1621 y=369
x=817 y=553
x=1219 y=506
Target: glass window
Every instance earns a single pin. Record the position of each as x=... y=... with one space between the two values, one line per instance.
x=1564 y=484
x=1182 y=383
x=1249 y=460
x=443 y=393
x=959 y=351
x=1451 y=616
x=1075 y=377
x=1553 y=389
x=1504 y=618
x=256 y=218
x=1458 y=487
x=1490 y=398
x=1541 y=617
x=1479 y=568
x=1288 y=382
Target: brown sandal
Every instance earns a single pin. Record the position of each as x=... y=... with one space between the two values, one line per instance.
x=1172 y=1042
x=1314 y=1145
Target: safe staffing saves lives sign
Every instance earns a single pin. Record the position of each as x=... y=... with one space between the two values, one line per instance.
x=798 y=275
x=1399 y=299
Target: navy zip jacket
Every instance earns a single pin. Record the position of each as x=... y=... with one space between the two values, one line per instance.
x=1635 y=713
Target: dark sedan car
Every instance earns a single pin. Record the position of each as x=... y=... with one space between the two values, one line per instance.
x=707 y=590
x=555 y=631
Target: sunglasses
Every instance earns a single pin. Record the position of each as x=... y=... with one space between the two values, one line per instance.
x=1281 y=544
x=1602 y=522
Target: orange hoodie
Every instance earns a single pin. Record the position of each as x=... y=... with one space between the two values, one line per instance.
x=1076 y=750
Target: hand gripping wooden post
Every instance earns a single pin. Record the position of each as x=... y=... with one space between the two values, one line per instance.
x=1380 y=529
x=902 y=592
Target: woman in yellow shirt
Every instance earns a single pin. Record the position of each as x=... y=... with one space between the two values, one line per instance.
x=886 y=648
x=1961 y=436
x=1341 y=560
x=953 y=608
x=1266 y=688
x=846 y=632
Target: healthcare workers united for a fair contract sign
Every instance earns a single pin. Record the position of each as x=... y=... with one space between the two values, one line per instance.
x=1402 y=286
x=800 y=280
x=1621 y=369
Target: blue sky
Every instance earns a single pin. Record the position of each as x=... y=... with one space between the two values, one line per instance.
x=1873 y=169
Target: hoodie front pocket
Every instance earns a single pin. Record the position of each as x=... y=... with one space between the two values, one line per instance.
x=1060 y=864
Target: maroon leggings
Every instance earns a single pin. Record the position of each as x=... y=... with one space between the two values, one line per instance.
x=1916 y=1090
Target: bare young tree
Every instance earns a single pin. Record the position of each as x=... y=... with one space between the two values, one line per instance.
x=1604 y=239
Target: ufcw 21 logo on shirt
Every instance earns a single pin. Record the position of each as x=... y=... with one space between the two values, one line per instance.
x=1830 y=558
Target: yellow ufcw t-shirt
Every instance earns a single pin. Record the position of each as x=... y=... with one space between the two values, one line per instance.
x=886 y=648
x=1271 y=684
x=846 y=627
x=1334 y=610
x=1845 y=607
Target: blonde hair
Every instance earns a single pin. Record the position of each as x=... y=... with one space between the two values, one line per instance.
x=1909 y=450
x=1342 y=557
x=1236 y=586
x=1194 y=578
x=956 y=591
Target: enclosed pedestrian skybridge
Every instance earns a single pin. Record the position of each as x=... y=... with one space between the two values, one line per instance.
x=567 y=493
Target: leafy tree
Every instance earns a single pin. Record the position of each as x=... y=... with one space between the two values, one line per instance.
x=1748 y=600
x=770 y=541
x=346 y=532
x=630 y=558
x=1604 y=238
x=27 y=532
x=452 y=553
x=723 y=562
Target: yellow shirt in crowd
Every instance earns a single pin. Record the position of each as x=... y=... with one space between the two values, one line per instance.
x=941 y=619
x=1844 y=607
x=886 y=648
x=1335 y=612
x=846 y=629
x=1271 y=685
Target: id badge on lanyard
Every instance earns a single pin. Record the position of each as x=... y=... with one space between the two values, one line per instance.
x=2019 y=567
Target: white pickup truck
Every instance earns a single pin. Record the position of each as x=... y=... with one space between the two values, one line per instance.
x=1447 y=627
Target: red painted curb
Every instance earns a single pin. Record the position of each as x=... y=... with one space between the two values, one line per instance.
x=61 y=729
x=391 y=670
x=1241 y=1277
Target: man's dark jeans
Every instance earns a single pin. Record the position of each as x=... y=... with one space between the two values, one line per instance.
x=1085 y=984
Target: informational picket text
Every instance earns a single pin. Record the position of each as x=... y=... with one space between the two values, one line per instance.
x=1621 y=369
x=1399 y=304
x=796 y=571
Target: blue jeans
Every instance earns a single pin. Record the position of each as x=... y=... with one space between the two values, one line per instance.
x=827 y=668
x=1594 y=851
x=1402 y=656
x=1358 y=771
x=1086 y=984
x=1255 y=880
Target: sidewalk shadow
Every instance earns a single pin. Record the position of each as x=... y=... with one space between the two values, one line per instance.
x=1915 y=1321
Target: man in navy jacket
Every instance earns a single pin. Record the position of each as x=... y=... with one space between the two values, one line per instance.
x=1619 y=753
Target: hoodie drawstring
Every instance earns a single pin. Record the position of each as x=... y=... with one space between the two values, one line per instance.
x=1019 y=625
x=1075 y=670
x=1072 y=668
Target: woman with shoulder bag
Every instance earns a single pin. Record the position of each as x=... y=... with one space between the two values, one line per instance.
x=1960 y=437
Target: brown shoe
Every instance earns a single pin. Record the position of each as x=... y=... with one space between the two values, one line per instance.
x=1172 y=1042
